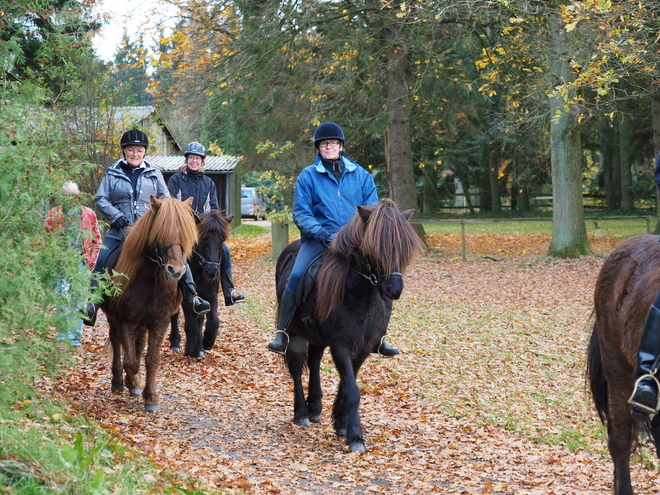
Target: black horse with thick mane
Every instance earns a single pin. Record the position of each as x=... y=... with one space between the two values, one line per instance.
x=345 y=310
x=206 y=268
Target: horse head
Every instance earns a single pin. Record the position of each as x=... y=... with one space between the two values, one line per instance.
x=213 y=230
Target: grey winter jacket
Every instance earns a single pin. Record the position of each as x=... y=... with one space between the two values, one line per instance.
x=114 y=197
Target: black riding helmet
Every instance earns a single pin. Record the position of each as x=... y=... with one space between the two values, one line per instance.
x=328 y=130
x=135 y=137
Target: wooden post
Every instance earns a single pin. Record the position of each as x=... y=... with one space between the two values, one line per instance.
x=280 y=235
x=463 y=248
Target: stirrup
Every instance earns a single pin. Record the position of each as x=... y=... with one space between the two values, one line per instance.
x=643 y=408
x=199 y=301
x=286 y=347
x=236 y=296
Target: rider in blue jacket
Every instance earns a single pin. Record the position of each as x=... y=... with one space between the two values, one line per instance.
x=326 y=197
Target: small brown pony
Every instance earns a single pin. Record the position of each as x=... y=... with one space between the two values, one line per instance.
x=627 y=284
x=152 y=261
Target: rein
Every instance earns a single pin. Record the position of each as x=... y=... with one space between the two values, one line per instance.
x=160 y=252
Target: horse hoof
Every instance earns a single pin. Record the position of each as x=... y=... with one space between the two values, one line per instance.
x=151 y=408
x=117 y=388
x=340 y=432
x=315 y=418
x=136 y=392
x=357 y=447
x=302 y=422
x=175 y=348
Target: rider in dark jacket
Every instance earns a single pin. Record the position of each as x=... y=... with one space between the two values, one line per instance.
x=191 y=182
x=326 y=197
x=123 y=197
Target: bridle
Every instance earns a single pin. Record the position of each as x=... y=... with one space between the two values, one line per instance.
x=374 y=277
x=204 y=261
x=158 y=252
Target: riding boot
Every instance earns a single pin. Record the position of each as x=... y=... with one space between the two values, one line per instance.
x=382 y=347
x=232 y=296
x=89 y=315
x=644 y=399
x=287 y=309
x=187 y=284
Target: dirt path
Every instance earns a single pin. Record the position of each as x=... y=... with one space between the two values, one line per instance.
x=228 y=421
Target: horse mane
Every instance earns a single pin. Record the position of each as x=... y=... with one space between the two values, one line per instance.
x=380 y=234
x=168 y=221
x=213 y=223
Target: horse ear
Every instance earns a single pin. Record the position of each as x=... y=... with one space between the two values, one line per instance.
x=408 y=214
x=230 y=218
x=189 y=201
x=364 y=212
x=155 y=202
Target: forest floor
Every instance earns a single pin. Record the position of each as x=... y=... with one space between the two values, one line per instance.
x=227 y=419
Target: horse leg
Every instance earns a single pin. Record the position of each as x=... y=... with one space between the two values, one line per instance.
x=129 y=343
x=117 y=384
x=152 y=365
x=175 y=335
x=193 y=327
x=620 y=425
x=350 y=394
x=212 y=325
x=314 y=391
x=295 y=360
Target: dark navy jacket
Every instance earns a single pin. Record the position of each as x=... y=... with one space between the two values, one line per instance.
x=187 y=184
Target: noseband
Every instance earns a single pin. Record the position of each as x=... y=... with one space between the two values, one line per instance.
x=374 y=277
x=158 y=252
x=204 y=261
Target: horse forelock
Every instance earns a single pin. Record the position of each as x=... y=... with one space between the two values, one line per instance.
x=213 y=224
x=171 y=223
x=389 y=240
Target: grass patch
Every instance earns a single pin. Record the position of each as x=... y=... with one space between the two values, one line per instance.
x=45 y=449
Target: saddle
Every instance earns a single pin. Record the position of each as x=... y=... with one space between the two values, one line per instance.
x=113 y=255
x=302 y=295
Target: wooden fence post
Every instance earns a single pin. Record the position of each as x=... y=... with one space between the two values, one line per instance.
x=463 y=247
x=280 y=234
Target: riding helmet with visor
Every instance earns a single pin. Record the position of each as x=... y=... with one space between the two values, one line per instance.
x=328 y=130
x=134 y=137
x=195 y=148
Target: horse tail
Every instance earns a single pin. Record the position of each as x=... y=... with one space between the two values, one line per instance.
x=595 y=375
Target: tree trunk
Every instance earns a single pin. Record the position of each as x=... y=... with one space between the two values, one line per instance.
x=655 y=106
x=569 y=232
x=625 y=139
x=494 y=169
x=398 y=148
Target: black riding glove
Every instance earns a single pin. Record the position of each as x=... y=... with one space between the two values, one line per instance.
x=322 y=236
x=120 y=223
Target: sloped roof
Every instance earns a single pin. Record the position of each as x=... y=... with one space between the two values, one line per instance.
x=133 y=114
x=217 y=164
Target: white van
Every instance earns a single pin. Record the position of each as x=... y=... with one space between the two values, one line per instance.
x=252 y=205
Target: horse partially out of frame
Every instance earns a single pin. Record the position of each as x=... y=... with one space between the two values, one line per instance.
x=346 y=310
x=626 y=287
x=151 y=262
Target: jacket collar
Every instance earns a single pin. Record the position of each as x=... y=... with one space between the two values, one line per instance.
x=349 y=165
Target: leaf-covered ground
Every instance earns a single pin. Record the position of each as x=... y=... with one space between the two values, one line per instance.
x=488 y=395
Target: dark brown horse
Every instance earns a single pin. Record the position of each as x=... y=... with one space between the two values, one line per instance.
x=206 y=268
x=346 y=310
x=148 y=269
x=627 y=284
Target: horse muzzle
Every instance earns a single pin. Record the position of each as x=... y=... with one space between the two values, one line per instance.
x=174 y=273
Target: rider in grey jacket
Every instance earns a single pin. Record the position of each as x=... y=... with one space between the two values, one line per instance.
x=123 y=197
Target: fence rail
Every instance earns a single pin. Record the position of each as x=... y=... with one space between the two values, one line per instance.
x=464 y=221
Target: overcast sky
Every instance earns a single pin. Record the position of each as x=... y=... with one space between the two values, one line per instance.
x=137 y=17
